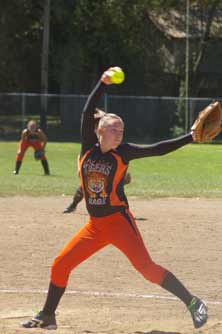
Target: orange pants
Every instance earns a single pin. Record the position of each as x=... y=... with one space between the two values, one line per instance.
x=24 y=144
x=118 y=229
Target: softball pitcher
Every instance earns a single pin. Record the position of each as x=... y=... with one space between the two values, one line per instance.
x=33 y=137
x=104 y=160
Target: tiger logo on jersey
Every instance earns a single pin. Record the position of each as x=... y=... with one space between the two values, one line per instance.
x=96 y=185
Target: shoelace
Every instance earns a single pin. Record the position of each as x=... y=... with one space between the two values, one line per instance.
x=35 y=323
x=192 y=304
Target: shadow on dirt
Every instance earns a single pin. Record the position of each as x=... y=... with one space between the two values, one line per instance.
x=140 y=219
x=156 y=332
x=139 y=332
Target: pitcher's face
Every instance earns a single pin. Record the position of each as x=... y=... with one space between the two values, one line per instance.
x=112 y=133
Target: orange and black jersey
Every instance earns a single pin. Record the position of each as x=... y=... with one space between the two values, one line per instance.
x=33 y=136
x=102 y=174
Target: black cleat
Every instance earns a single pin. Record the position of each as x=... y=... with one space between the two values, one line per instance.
x=15 y=172
x=198 y=310
x=41 y=321
x=70 y=208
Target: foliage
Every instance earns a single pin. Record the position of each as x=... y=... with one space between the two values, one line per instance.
x=119 y=35
x=20 y=44
x=87 y=36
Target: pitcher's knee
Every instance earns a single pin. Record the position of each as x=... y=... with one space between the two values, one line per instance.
x=152 y=272
x=60 y=272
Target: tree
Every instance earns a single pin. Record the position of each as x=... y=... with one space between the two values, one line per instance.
x=207 y=10
x=20 y=32
x=44 y=64
x=203 y=14
x=97 y=34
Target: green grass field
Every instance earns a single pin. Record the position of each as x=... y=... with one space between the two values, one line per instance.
x=192 y=171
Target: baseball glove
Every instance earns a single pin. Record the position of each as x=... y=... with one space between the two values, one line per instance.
x=208 y=124
x=38 y=154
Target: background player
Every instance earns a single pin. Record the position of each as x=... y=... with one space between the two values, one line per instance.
x=34 y=137
x=103 y=163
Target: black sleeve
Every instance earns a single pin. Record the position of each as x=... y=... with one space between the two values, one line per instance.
x=88 y=136
x=133 y=151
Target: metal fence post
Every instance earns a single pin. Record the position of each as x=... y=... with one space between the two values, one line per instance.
x=106 y=102
x=23 y=110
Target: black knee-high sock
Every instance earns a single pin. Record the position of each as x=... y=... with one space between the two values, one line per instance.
x=173 y=285
x=55 y=293
x=17 y=166
x=45 y=166
x=78 y=196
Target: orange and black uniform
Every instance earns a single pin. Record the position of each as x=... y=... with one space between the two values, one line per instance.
x=30 y=139
x=35 y=139
x=110 y=221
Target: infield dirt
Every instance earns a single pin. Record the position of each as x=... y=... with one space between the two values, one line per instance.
x=105 y=294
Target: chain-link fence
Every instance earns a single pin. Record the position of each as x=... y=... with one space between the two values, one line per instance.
x=146 y=118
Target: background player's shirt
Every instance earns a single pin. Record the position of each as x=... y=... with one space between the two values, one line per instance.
x=33 y=136
x=102 y=174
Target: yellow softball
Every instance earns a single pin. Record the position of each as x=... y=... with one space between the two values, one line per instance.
x=117 y=75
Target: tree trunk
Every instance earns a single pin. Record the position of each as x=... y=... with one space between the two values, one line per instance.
x=196 y=85
x=44 y=64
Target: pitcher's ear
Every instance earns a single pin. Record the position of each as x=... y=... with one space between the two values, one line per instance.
x=98 y=132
